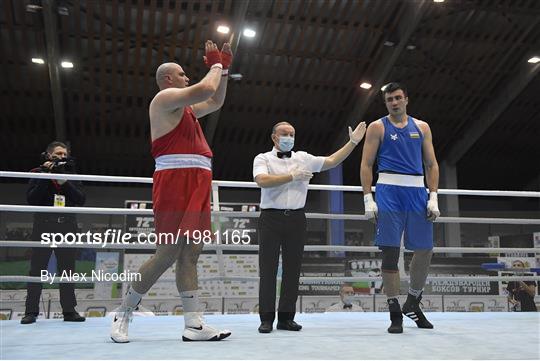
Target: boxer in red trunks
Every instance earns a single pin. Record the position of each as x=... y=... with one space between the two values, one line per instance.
x=182 y=186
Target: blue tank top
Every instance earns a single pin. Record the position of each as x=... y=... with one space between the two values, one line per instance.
x=401 y=149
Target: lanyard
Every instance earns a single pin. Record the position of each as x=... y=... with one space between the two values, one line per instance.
x=56 y=185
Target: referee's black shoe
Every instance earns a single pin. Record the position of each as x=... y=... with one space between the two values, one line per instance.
x=288 y=325
x=73 y=317
x=265 y=327
x=28 y=318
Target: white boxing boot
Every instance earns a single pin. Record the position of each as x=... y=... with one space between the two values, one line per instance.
x=196 y=330
x=123 y=317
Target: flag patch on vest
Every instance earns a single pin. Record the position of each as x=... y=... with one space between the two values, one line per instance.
x=414 y=135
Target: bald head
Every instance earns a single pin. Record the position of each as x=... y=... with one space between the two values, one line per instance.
x=170 y=75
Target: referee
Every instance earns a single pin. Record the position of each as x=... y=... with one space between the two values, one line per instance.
x=283 y=176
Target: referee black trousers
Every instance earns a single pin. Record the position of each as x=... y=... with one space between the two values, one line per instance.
x=285 y=230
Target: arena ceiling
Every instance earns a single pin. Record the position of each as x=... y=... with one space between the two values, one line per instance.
x=464 y=62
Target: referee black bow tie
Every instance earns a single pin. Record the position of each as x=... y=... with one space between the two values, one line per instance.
x=284 y=154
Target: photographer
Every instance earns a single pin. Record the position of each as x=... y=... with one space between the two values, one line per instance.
x=58 y=193
x=521 y=294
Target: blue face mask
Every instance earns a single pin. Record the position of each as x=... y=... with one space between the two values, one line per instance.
x=286 y=143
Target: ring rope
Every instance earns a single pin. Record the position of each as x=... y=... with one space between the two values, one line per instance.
x=305 y=280
x=123 y=211
x=233 y=184
x=149 y=212
x=248 y=247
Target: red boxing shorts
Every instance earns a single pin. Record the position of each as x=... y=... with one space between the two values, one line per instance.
x=181 y=202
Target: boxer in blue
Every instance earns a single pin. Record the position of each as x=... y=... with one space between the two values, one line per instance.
x=403 y=149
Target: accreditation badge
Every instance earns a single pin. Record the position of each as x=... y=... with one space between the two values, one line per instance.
x=59 y=200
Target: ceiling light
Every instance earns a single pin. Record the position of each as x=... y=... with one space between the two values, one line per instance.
x=389 y=43
x=38 y=61
x=223 y=29
x=249 y=33
x=365 y=86
x=236 y=76
x=534 y=60
x=66 y=64
x=438 y=1
x=33 y=8
x=410 y=47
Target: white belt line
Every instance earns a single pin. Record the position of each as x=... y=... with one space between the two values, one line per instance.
x=403 y=180
x=172 y=161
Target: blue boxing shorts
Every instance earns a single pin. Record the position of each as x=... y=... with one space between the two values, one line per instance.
x=402 y=203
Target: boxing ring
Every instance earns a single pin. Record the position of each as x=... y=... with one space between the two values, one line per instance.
x=356 y=335
x=471 y=335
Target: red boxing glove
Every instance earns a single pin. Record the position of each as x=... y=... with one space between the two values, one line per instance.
x=226 y=60
x=212 y=57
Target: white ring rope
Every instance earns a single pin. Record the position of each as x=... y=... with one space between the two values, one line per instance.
x=82 y=177
x=219 y=248
x=254 y=248
x=148 y=212
x=231 y=184
x=304 y=280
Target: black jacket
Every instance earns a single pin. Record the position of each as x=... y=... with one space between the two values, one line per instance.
x=41 y=193
x=526 y=300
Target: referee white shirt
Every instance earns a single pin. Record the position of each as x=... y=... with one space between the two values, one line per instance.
x=291 y=195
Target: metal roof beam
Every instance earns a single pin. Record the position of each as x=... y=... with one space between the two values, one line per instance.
x=492 y=111
x=390 y=55
x=53 y=62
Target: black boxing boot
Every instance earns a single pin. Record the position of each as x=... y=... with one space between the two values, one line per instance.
x=411 y=309
x=395 y=316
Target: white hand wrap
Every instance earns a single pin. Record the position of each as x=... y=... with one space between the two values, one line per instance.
x=433 y=207
x=370 y=206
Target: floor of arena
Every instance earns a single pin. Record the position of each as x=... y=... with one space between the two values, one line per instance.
x=497 y=335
